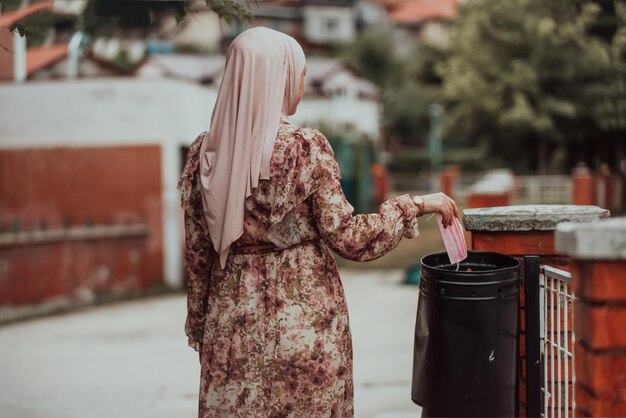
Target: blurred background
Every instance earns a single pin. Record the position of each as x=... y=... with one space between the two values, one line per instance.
x=493 y=102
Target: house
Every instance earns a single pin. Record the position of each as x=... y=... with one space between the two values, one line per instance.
x=316 y=24
x=18 y=59
x=424 y=20
x=197 y=68
x=13 y=55
x=333 y=92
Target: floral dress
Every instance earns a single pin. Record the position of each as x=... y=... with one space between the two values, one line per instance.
x=272 y=327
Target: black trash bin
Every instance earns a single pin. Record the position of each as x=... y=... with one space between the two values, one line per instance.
x=466 y=336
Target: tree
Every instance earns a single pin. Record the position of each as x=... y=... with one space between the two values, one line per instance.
x=529 y=78
x=373 y=55
x=103 y=17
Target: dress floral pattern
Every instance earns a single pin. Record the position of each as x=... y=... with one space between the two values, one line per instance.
x=272 y=329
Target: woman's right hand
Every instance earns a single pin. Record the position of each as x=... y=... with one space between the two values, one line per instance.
x=441 y=203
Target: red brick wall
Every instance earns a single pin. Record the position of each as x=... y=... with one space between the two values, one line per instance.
x=604 y=190
x=518 y=244
x=600 y=338
x=89 y=184
x=75 y=270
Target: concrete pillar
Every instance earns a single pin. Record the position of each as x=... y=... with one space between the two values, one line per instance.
x=623 y=194
x=598 y=252
x=380 y=178
x=449 y=177
x=618 y=187
x=525 y=230
x=496 y=188
x=173 y=237
x=19 y=61
x=601 y=192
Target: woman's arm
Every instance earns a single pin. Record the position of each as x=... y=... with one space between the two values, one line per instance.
x=199 y=259
x=362 y=237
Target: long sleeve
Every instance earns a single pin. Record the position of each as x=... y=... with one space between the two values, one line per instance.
x=199 y=259
x=362 y=237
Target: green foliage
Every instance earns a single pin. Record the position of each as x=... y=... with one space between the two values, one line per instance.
x=103 y=17
x=340 y=132
x=36 y=26
x=535 y=84
x=355 y=152
x=9 y=5
x=405 y=113
x=372 y=54
x=230 y=10
x=530 y=77
x=425 y=62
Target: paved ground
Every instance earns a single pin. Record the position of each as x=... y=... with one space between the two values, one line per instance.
x=131 y=359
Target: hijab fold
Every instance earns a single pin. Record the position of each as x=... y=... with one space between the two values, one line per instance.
x=260 y=84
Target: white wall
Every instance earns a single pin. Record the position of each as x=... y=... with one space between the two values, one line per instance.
x=344 y=81
x=363 y=114
x=316 y=21
x=103 y=111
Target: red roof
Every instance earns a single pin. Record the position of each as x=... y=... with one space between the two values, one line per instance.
x=413 y=11
x=38 y=58
x=10 y=18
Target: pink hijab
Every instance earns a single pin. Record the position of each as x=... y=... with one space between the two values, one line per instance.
x=260 y=84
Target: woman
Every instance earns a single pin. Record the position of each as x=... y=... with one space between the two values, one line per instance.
x=263 y=209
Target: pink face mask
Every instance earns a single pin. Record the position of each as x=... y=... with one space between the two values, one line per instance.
x=453 y=239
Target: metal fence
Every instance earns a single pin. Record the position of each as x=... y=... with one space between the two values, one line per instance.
x=550 y=373
x=529 y=190
x=557 y=342
x=548 y=190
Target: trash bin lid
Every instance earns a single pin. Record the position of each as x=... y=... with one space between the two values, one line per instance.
x=479 y=267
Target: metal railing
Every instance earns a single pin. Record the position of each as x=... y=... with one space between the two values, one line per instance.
x=549 y=365
x=543 y=189
x=557 y=342
x=528 y=190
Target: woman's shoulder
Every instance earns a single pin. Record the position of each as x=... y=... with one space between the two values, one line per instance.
x=193 y=152
x=303 y=150
x=310 y=138
x=194 y=147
